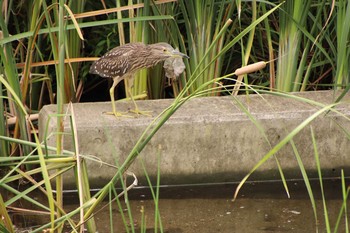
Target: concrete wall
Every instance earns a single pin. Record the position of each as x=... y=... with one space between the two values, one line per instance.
x=210 y=139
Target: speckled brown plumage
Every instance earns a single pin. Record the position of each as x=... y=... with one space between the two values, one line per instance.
x=129 y=58
x=123 y=61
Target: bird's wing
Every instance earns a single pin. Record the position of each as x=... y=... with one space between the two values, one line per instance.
x=110 y=67
x=126 y=50
x=118 y=61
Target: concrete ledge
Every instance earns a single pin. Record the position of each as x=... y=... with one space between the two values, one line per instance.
x=209 y=139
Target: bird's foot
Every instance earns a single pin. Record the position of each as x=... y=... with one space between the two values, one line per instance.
x=139 y=112
x=118 y=114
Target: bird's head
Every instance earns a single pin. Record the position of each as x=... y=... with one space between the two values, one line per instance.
x=164 y=50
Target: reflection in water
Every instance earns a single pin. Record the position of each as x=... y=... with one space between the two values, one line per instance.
x=261 y=207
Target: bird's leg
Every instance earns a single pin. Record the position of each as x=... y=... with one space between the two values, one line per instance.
x=114 y=112
x=136 y=110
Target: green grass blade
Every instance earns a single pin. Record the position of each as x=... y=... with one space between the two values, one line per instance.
x=306 y=181
x=343 y=210
x=319 y=171
x=282 y=143
x=83 y=25
x=5 y=221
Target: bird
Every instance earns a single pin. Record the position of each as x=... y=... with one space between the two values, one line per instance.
x=124 y=61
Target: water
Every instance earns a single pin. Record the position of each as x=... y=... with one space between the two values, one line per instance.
x=260 y=207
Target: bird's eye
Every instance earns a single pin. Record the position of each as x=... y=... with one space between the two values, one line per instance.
x=164 y=50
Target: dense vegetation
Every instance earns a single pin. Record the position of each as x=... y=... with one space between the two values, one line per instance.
x=46 y=49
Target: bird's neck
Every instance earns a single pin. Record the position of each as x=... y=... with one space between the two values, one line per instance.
x=152 y=60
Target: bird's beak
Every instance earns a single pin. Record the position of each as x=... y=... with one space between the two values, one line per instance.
x=176 y=53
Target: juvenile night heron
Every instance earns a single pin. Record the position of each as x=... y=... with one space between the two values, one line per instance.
x=122 y=62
